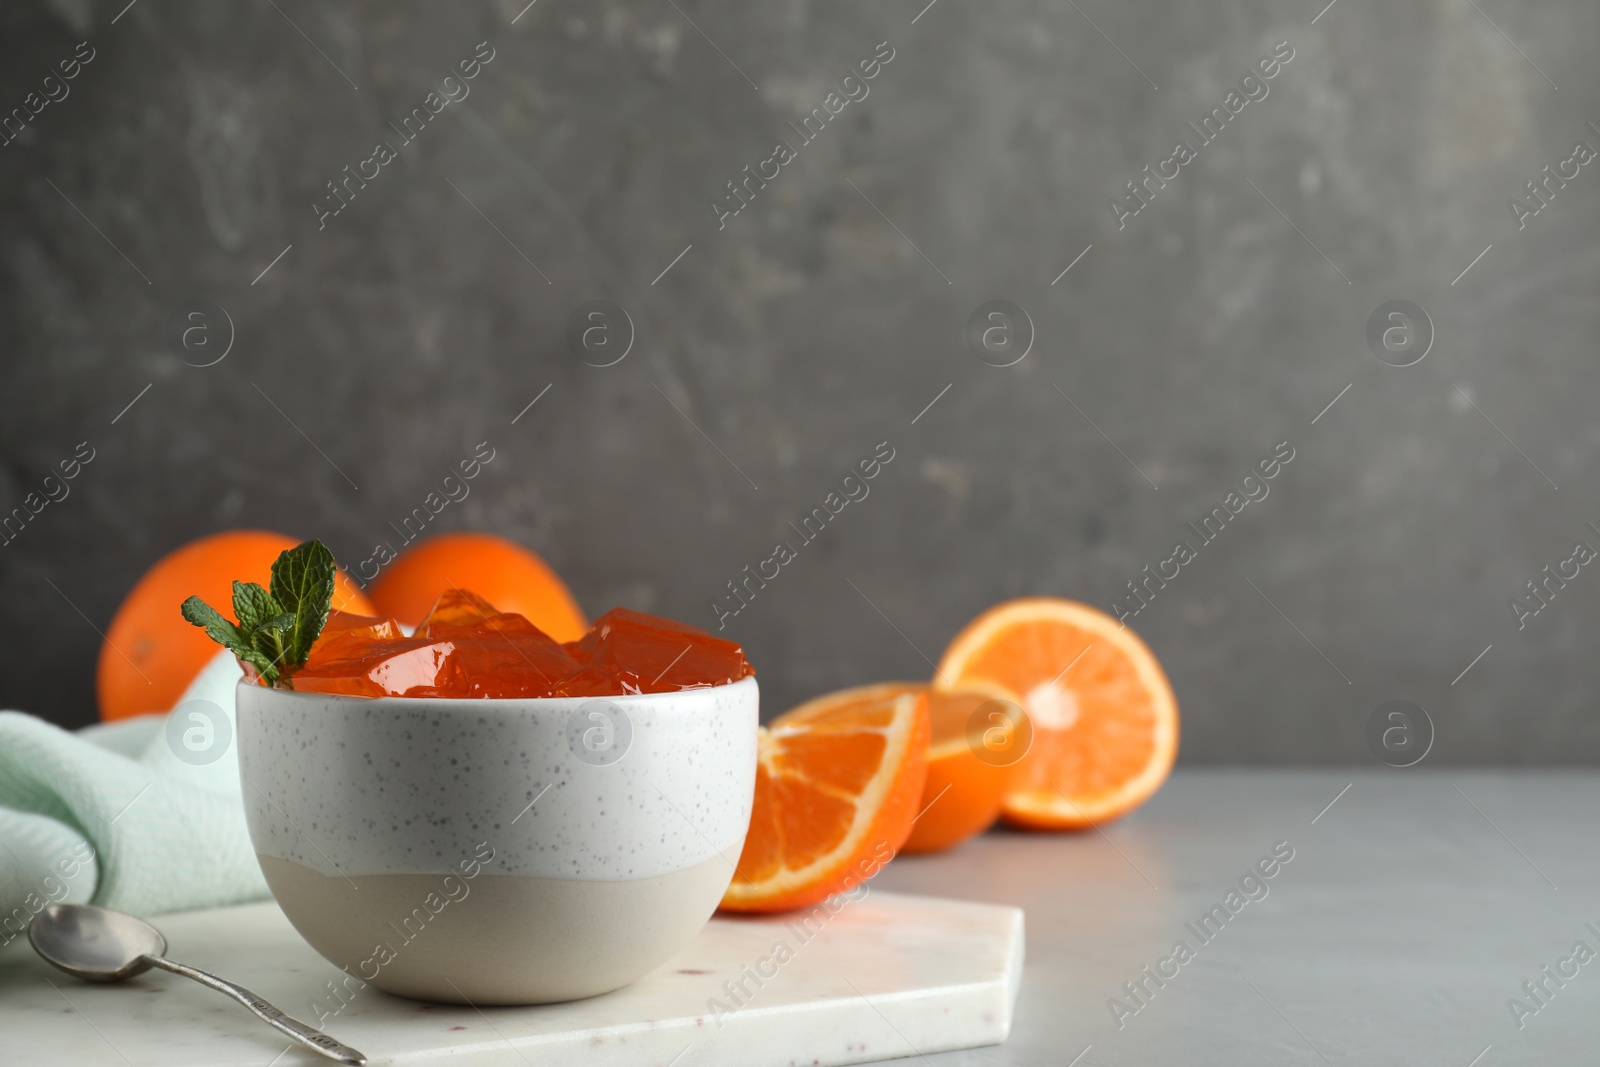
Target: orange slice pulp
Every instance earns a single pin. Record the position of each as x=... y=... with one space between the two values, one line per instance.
x=837 y=790
x=1103 y=716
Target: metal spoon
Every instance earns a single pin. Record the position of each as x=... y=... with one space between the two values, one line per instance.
x=101 y=945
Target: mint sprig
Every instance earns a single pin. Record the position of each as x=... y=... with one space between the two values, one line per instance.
x=276 y=627
x=302 y=581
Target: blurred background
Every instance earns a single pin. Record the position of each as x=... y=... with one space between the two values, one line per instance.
x=361 y=341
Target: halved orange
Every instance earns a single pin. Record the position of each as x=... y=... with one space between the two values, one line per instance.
x=837 y=789
x=1105 y=722
x=969 y=766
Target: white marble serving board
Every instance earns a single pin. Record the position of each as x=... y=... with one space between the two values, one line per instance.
x=886 y=976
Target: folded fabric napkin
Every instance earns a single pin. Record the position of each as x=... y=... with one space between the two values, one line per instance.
x=142 y=815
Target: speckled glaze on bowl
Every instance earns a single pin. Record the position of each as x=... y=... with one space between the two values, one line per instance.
x=498 y=851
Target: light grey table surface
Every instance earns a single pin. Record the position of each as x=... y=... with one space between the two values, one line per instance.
x=1413 y=910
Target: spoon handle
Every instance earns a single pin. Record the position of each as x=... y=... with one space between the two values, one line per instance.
x=272 y=1016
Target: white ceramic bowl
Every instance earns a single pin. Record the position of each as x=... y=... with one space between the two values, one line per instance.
x=498 y=851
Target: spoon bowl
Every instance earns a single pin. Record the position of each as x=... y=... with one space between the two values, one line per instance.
x=95 y=944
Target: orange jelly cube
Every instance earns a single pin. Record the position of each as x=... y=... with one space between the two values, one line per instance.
x=629 y=651
x=456 y=607
x=505 y=656
x=358 y=666
x=371 y=627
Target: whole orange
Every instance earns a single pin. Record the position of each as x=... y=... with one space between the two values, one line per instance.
x=151 y=654
x=510 y=577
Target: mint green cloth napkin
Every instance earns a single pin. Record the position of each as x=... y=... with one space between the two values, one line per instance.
x=112 y=815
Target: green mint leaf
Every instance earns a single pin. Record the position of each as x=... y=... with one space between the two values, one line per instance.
x=215 y=624
x=263 y=664
x=270 y=641
x=244 y=642
x=302 y=583
x=274 y=634
x=253 y=605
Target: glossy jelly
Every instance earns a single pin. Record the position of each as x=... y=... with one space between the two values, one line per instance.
x=465 y=648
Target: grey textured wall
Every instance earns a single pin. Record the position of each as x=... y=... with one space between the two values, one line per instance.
x=1177 y=352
